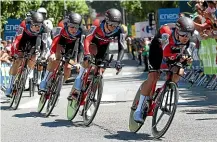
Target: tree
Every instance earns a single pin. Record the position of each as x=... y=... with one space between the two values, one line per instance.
x=18 y=9
x=137 y=10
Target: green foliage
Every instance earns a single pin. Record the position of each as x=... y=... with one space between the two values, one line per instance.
x=18 y=9
x=138 y=10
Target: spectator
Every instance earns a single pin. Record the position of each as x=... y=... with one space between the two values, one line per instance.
x=134 y=47
x=145 y=53
x=139 y=50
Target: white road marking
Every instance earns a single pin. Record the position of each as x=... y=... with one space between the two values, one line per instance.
x=30 y=104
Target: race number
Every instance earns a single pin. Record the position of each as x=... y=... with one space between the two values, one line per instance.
x=164 y=40
x=19 y=31
x=91 y=30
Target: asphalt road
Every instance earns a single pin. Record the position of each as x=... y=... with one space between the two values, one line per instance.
x=195 y=119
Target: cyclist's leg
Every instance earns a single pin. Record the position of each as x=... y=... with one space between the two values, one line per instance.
x=175 y=77
x=155 y=59
x=67 y=70
x=78 y=80
x=31 y=65
x=40 y=70
x=50 y=68
x=13 y=72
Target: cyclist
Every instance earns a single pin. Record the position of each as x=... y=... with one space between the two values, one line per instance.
x=64 y=38
x=99 y=37
x=162 y=47
x=28 y=31
x=47 y=40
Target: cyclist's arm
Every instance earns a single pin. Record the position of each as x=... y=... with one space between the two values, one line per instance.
x=167 y=53
x=121 y=45
x=80 y=49
x=45 y=47
x=55 y=40
x=88 y=39
x=201 y=27
x=18 y=37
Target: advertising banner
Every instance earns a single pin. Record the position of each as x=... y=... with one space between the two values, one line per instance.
x=168 y=15
x=10 y=28
x=208 y=54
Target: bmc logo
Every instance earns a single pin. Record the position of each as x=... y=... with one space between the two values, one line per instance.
x=169 y=16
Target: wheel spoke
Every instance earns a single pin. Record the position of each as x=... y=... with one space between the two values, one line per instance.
x=161 y=115
x=171 y=96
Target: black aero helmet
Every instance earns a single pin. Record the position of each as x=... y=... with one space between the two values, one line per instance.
x=113 y=15
x=74 y=18
x=37 y=17
x=185 y=24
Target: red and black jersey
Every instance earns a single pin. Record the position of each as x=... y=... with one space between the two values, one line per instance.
x=63 y=38
x=168 y=42
x=98 y=36
x=23 y=35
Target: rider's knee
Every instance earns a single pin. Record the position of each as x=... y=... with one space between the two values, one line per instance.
x=153 y=77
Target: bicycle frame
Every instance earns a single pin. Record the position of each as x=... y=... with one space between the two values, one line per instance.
x=157 y=94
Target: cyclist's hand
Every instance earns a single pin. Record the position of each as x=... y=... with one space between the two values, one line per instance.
x=87 y=57
x=183 y=58
x=15 y=56
x=118 y=66
x=52 y=57
x=189 y=60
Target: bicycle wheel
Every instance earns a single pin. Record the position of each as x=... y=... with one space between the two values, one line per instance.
x=54 y=95
x=134 y=126
x=168 y=98
x=90 y=99
x=42 y=102
x=74 y=104
x=20 y=88
x=73 y=107
x=32 y=84
x=14 y=90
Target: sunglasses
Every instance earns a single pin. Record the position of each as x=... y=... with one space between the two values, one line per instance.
x=36 y=24
x=184 y=34
x=71 y=25
x=113 y=24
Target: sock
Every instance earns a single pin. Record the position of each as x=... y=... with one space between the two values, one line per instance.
x=39 y=76
x=47 y=75
x=11 y=81
x=77 y=83
x=30 y=73
x=82 y=69
x=141 y=100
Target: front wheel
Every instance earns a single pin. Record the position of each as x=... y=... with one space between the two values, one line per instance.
x=54 y=95
x=167 y=104
x=93 y=99
x=19 y=89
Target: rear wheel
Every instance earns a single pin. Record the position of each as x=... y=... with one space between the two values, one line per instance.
x=73 y=107
x=134 y=126
x=42 y=102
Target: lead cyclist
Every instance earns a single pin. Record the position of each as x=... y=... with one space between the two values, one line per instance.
x=163 y=46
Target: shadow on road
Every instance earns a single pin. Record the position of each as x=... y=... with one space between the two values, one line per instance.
x=5 y=108
x=30 y=114
x=199 y=100
x=124 y=135
x=63 y=123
